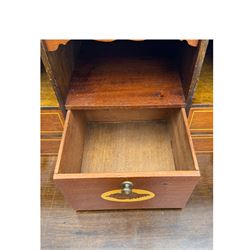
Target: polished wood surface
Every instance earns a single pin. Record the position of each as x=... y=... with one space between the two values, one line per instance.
x=131 y=150
x=99 y=83
x=51 y=121
x=189 y=228
x=201 y=120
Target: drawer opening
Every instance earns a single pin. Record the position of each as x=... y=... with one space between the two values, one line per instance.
x=125 y=141
x=124 y=73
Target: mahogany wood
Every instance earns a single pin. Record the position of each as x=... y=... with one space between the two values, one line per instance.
x=201 y=120
x=203 y=143
x=125 y=82
x=83 y=190
x=51 y=121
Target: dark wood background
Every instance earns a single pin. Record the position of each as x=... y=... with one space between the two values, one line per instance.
x=190 y=228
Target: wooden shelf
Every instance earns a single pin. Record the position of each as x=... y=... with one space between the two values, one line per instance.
x=126 y=81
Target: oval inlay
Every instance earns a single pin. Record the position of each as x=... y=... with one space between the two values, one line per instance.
x=136 y=195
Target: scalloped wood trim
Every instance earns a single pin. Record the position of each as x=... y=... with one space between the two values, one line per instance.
x=52 y=45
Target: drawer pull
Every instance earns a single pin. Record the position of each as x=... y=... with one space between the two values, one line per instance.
x=127 y=187
x=127 y=194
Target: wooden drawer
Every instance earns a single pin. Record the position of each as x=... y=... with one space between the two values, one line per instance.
x=50 y=146
x=51 y=122
x=101 y=149
x=201 y=120
x=203 y=143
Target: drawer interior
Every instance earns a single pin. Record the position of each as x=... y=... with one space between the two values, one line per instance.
x=124 y=141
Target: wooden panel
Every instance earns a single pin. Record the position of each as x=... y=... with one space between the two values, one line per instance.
x=183 y=151
x=191 y=63
x=127 y=147
x=50 y=146
x=125 y=82
x=59 y=65
x=71 y=147
x=203 y=144
x=118 y=115
x=48 y=96
x=204 y=91
x=201 y=120
x=51 y=121
x=85 y=194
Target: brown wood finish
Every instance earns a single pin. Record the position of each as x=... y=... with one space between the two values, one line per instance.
x=125 y=82
x=83 y=190
x=52 y=45
x=127 y=147
x=203 y=143
x=191 y=65
x=71 y=148
x=50 y=146
x=59 y=66
x=51 y=121
x=170 y=192
x=189 y=228
x=183 y=151
x=201 y=120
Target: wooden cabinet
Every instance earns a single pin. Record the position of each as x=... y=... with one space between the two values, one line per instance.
x=200 y=117
x=126 y=142
x=51 y=117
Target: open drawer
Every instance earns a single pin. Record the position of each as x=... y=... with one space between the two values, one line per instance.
x=126 y=159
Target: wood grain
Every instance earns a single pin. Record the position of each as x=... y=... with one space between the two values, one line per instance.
x=170 y=192
x=189 y=228
x=125 y=82
x=183 y=151
x=201 y=120
x=203 y=143
x=123 y=148
x=127 y=147
x=50 y=146
x=71 y=147
x=51 y=121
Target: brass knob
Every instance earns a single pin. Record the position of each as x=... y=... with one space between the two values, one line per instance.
x=127 y=187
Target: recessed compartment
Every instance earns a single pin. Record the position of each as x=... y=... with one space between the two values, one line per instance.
x=101 y=149
x=123 y=73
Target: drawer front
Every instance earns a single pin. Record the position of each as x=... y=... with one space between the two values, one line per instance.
x=203 y=144
x=154 y=192
x=201 y=120
x=50 y=146
x=51 y=122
